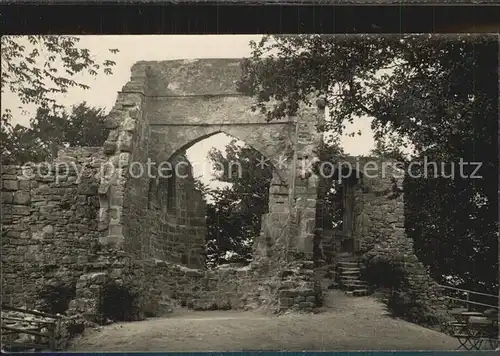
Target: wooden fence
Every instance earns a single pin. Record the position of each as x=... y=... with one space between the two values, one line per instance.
x=41 y=327
x=471 y=300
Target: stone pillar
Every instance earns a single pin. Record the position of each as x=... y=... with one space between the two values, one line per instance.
x=309 y=138
x=273 y=239
x=300 y=288
x=361 y=219
x=89 y=293
x=278 y=195
x=121 y=148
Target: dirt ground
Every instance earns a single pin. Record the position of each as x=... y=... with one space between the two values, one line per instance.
x=348 y=323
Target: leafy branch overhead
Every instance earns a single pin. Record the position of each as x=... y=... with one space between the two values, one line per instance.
x=438 y=93
x=410 y=84
x=36 y=68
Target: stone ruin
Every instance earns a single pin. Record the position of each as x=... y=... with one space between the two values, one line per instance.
x=91 y=220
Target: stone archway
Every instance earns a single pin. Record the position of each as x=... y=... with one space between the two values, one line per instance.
x=179 y=206
x=170 y=141
x=168 y=105
x=182 y=108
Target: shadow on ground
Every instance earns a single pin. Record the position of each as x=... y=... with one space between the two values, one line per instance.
x=347 y=323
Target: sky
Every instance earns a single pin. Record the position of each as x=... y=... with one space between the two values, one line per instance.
x=103 y=89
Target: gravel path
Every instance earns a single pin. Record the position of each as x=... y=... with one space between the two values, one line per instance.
x=347 y=324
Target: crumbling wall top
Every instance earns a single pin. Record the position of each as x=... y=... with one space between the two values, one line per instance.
x=193 y=77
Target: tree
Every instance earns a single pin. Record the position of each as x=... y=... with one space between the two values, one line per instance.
x=84 y=126
x=38 y=68
x=19 y=145
x=390 y=147
x=438 y=92
x=384 y=77
x=234 y=217
x=330 y=214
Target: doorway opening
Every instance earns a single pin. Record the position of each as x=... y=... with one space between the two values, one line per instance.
x=212 y=202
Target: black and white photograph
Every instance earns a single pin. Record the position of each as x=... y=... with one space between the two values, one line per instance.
x=306 y=192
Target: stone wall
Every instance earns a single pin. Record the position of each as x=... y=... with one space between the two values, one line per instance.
x=49 y=223
x=191 y=100
x=382 y=222
x=124 y=224
x=148 y=242
x=378 y=228
x=225 y=287
x=176 y=216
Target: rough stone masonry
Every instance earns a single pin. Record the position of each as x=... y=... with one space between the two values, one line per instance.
x=92 y=218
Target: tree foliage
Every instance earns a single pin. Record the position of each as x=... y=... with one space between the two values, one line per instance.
x=36 y=67
x=83 y=126
x=234 y=216
x=390 y=146
x=330 y=191
x=439 y=93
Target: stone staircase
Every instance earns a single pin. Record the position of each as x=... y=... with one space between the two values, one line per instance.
x=348 y=276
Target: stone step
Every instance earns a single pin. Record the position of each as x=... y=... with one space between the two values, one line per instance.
x=354 y=287
x=348 y=263
x=346 y=273
x=349 y=279
x=341 y=270
x=342 y=265
x=357 y=292
x=343 y=255
x=349 y=276
x=353 y=281
x=348 y=268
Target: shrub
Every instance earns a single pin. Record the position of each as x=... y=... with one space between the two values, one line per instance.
x=405 y=300
x=409 y=305
x=382 y=270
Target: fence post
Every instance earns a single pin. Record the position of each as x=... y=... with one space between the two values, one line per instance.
x=467 y=305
